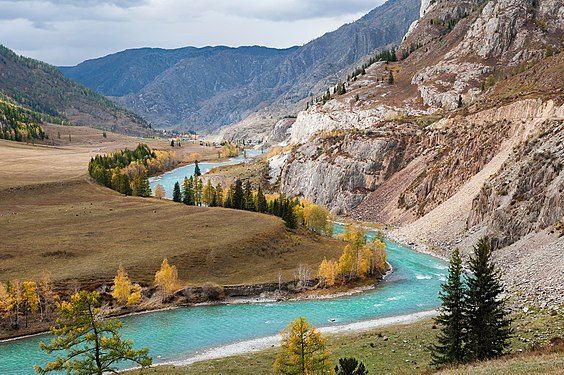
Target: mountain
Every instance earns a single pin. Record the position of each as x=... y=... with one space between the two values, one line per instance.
x=462 y=137
x=207 y=88
x=41 y=88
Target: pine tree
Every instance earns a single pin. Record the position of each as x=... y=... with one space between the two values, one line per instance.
x=176 y=195
x=248 y=197
x=489 y=327
x=219 y=195
x=452 y=337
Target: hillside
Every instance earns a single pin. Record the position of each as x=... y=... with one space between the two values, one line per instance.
x=79 y=232
x=41 y=88
x=204 y=89
x=460 y=138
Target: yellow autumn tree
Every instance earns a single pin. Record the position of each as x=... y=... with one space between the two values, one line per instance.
x=159 y=191
x=166 y=279
x=359 y=258
x=327 y=272
x=303 y=351
x=30 y=300
x=379 y=256
x=6 y=302
x=135 y=296
x=121 y=290
x=316 y=217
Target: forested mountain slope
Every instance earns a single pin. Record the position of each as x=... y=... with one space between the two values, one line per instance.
x=40 y=87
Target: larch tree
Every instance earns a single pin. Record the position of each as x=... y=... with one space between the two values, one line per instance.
x=121 y=290
x=452 y=318
x=489 y=327
x=208 y=195
x=88 y=344
x=327 y=272
x=6 y=302
x=303 y=351
x=30 y=300
x=219 y=195
x=159 y=191
x=166 y=279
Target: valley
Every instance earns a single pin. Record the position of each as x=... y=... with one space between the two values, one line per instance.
x=424 y=133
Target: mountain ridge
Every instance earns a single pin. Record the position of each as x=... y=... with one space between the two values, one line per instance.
x=42 y=88
x=287 y=80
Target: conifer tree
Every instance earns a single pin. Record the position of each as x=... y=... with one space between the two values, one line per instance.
x=451 y=339
x=86 y=343
x=350 y=366
x=489 y=327
x=188 y=191
x=219 y=195
x=197 y=171
x=121 y=290
x=303 y=350
x=176 y=195
x=237 y=199
x=249 y=202
x=261 y=205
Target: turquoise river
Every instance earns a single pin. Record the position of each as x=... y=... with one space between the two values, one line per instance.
x=174 y=335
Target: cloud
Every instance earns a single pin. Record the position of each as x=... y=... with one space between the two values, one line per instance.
x=65 y=32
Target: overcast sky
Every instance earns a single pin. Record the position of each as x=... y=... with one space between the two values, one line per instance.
x=66 y=32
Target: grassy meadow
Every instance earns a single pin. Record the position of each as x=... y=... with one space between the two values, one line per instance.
x=55 y=220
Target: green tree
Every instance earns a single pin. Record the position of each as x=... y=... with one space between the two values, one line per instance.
x=188 y=191
x=197 y=171
x=350 y=366
x=303 y=350
x=198 y=191
x=219 y=194
x=261 y=204
x=249 y=202
x=237 y=198
x=141 y=186
x=176 y=195
x=88 y=344
x=489 y=327
x=208 y=195
x=451 y=339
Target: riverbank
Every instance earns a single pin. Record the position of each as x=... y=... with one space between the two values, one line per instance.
x=251 y=346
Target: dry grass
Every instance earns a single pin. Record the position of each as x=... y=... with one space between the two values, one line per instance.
x=55 y=220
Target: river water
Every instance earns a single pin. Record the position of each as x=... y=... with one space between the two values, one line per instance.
x=177 y=334
x=168 y=179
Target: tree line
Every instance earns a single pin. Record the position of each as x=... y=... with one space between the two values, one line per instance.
x=294 y=211
x=18 y=124
x=127 y=171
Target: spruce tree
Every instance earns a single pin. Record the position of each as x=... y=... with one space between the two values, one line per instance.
x=451 y=339
x=489 y=327
x=237 y=199
x=197 y=171
x=261 y=203
x=176 y=195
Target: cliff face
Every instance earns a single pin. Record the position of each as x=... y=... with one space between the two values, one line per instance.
x=527 y=194
x=476 y=80
x=342 y=168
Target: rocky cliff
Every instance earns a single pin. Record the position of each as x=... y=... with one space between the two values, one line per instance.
x=459 y=139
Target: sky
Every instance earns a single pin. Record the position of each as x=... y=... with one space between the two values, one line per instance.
x=67 y=32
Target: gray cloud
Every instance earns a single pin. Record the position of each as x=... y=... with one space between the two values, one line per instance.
x=66 y=32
